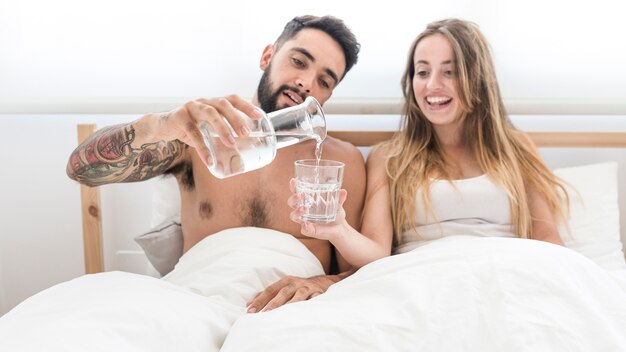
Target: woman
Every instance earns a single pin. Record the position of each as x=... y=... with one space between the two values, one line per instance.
x=458 y=166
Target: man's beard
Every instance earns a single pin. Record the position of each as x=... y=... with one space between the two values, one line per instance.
x=268 y=99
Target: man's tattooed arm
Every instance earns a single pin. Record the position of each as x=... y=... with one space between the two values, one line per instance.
x=108 y=157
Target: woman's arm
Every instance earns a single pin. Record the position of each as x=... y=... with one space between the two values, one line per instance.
x=375 y=239
x=543 y=220
x=376 y=235
x=543 y=225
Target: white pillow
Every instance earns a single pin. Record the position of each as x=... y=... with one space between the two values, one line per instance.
x=163 y=245
x=594 y=214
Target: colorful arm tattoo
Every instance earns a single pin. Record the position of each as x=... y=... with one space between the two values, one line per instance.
x=107 y=157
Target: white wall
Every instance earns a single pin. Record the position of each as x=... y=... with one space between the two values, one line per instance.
x=160 y=48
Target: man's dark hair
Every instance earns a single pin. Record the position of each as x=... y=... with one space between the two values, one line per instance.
x=331 y=26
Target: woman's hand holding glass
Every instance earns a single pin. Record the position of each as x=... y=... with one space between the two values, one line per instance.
x=323 y=231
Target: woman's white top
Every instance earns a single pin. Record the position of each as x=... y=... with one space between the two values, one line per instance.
x=474 y=206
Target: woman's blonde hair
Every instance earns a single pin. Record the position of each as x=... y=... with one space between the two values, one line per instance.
x=503 y=152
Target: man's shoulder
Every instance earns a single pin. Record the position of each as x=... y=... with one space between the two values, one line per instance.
x=338 y=144
x=335 y=145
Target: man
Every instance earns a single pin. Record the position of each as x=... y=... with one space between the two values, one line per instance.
x=311 y=56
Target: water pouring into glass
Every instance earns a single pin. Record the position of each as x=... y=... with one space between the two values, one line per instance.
x=319 y=182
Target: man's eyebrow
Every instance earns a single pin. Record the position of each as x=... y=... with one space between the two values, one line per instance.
x=332 y=75
x=328 y=71
x=304 y=52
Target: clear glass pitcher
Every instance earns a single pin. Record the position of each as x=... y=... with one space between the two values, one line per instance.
x=273 y=131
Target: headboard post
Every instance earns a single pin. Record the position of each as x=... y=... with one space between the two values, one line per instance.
x=91 y=211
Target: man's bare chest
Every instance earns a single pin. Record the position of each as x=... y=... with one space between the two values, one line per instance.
x=257 y=198
x=250 y=202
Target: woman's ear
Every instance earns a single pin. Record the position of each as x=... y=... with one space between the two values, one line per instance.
x=268 y=52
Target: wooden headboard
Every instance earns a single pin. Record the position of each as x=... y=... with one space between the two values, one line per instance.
x=90 y=196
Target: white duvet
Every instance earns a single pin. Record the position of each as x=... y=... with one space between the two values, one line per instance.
x=190 y=309
x=455 y=294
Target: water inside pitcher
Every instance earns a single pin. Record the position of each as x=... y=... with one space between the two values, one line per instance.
x=273 y=131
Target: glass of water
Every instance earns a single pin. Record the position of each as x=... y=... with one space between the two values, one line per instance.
x=319 y=182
